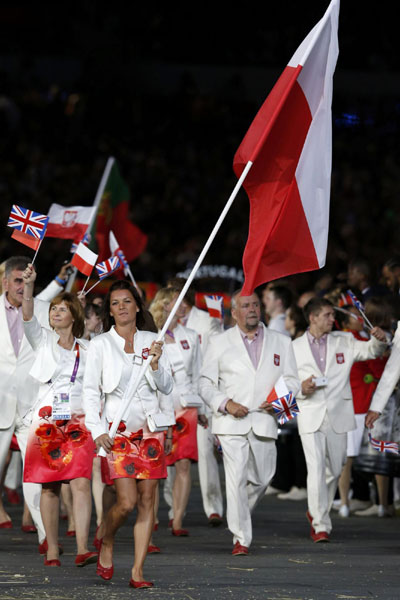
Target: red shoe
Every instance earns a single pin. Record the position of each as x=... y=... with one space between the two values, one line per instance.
x=170 y=524
x=82 y=560
x=6 y=525
x=28 y=528
x=71 y=533
x=104 y=572
x=12 y=496
x=321 y=536
x=153 y=549
x=215 y=520
x=239 y=550
x=54 y=562
x=140 y=584
x=180 y=532
x=43 y=547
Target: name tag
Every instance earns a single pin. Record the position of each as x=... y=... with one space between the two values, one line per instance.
x=61 y=407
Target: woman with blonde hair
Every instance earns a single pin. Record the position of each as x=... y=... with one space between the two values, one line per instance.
x=183 y=350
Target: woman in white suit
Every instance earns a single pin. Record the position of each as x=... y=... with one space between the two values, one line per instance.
x=136 y=457
x=60 y=448
x=183 y=349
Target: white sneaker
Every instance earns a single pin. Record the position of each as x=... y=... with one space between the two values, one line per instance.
x=271 y=491
x=344 y=511
x=372 y=511
x=385 y=511
x=294 y=493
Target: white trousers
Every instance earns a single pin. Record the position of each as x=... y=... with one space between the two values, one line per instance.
x=210 y=484
x=14 y=472
x=32 y=491
x=249 y=463
x=325 y=453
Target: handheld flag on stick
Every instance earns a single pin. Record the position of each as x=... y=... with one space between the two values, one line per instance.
x=84 y=259
x=289 y=148
x=85 y=240
x=29 y=227
x=69 y=222
x=391 y=447
x=116 y=250
x=359 y=306
x=215 y=306
x=283 y=402
x=104 y=269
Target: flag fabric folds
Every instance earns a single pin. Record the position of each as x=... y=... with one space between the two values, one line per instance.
x=117 y=251
x=283 y=402
x=69 y=222
x=354 y=300
x=113 y=215
x=105 y=268
x=28 y=222
x=215 y=306
x=289 y=144
x=84 y=259
x=391 y=447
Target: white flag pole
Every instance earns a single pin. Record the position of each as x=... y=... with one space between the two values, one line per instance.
x=37 y=250
x=81 y=293
x=132 y=386
x=96 y=204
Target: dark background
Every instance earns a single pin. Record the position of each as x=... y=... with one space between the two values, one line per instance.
x=170 y=90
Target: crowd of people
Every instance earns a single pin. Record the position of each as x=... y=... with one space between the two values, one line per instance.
x=74 y=365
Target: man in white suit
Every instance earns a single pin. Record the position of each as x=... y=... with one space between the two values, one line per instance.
x=18 y=390
x=241 y=367
x=324 y=359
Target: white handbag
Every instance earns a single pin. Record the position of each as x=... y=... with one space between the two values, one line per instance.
x=159 y=422
x=191 y=401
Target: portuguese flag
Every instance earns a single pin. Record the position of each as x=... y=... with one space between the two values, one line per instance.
x=113 y=214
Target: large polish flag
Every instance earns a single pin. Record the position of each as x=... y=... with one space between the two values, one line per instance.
x=69 y=222
x=290 y=145
x=84 y=259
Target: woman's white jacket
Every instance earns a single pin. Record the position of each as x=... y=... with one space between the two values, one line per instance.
x=104 y=365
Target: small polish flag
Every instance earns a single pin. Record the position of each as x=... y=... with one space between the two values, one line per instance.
x=278 y=391
x=215 y=306
x=84 y=259
x=283 y=402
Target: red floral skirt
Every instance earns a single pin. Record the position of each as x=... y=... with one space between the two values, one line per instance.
x=137 y=455
x=184 y=436
x=58 y=450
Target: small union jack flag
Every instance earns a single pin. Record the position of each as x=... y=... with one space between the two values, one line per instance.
x=27 y=221
x=381 y=446
x=285 y=408
x=85 y=240
x=215 y=306
x=107 y=267
x=123 y=260
x=354 y=300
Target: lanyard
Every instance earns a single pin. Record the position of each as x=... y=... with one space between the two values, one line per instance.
x=76 y=365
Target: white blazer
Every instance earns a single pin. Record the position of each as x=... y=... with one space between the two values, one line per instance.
x=18 y=391
x=204 y=325
x=390 y=376
x=228 y=372
x=336 y=398
x=104 y=366
x=186 y=380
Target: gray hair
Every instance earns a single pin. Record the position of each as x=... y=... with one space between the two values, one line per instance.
x=16 y=263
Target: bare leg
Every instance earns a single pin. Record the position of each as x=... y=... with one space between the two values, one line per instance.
x=344 y=482
x=50 y=511
x=109 y=496
x=4 y=516
x=156 y=505
x=66 y=495
x=146 y=491
x=382 y=483
x=125 y=503
x=181 y=491
x=82 y=509
x=97 y=489
x=26 y=516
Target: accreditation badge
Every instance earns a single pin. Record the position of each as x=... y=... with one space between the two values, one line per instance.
x=61 y=407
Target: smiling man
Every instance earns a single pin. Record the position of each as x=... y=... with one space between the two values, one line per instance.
x=240 y=368
x=324 y=359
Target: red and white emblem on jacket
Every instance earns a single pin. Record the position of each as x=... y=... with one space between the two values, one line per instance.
x=277 y=360
x=340 y=358
x=185 y=344
x=145 y=353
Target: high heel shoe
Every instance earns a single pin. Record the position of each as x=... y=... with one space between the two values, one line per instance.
x=97 y=541
x=53 y=562
x=180 y=532
x=140 y=584
x=104 y=572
